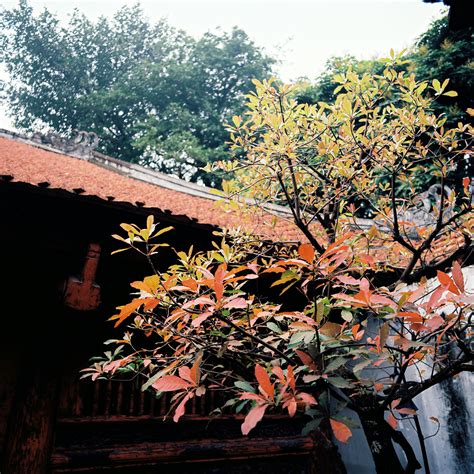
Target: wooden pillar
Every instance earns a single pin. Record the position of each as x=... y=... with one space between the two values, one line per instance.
x=30 y=431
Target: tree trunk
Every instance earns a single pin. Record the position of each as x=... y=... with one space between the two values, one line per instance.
x=379 y=438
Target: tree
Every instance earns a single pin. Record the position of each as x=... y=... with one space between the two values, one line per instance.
x=143 y=88
x=210 y=90
x=438 y=53
x=345 y=325
x=447 y=54
x=322 y=90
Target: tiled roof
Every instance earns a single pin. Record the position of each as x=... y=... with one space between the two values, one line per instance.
x=115 y=181
x=22 y=160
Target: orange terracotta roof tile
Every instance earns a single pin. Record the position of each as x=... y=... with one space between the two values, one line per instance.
x=24 y=161
x=116 y=181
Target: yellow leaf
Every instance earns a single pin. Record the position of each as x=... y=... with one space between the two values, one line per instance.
x=237 y=120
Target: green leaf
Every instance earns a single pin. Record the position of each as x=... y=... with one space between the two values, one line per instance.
x=361 y=365
x=335 y=364
x=240 y=406
x=338 y=382
x=274 y=327
x=311 y=426
x=244 y=386
x=346 y=315
x=451 y=94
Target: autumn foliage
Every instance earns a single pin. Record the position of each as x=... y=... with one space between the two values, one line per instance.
x=345 y=329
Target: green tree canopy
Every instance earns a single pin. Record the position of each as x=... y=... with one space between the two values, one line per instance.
x=446 y=54
x=438 y=53
x=151 y=93
x=322 y=90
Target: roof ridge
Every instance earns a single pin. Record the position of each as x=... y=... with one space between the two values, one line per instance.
x=141 y=173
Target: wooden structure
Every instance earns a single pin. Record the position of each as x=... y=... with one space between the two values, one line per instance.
x=60 y=284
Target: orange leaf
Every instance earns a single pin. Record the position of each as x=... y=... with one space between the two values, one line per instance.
x=367 y=259
x=411 y=316
x=291 y=378
x=306 y=359
x=340 y=430
x=195 y=369
x=446 y=281
x=252 y=418
x=126 y=311
x=306 y=252
x=219 y=282
x=170 y=383
x=331 y=329
x=264 y=381
x=150 y=303
x=190 y=283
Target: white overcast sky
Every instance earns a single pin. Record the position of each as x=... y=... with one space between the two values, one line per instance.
x=302 y=34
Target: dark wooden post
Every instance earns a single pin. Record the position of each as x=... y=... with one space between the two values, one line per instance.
x=30 y=432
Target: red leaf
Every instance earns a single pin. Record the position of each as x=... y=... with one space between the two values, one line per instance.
x=347 y=280
x=306 y=252
x=201 y=318
x=306 y=359
x=458 y=276
x=435 y=297
x=291 y=405
x=237 y=303
x=252 y=396
x=307 y=399
x=434 y=322
x=392 y=421
x=185 y=374
x=180 y=409
x=170 y=383
x=264 y=381
x=340 y=430
x=279 y=373
x=252 y=418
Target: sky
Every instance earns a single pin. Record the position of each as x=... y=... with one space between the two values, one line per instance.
x=301 y=34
